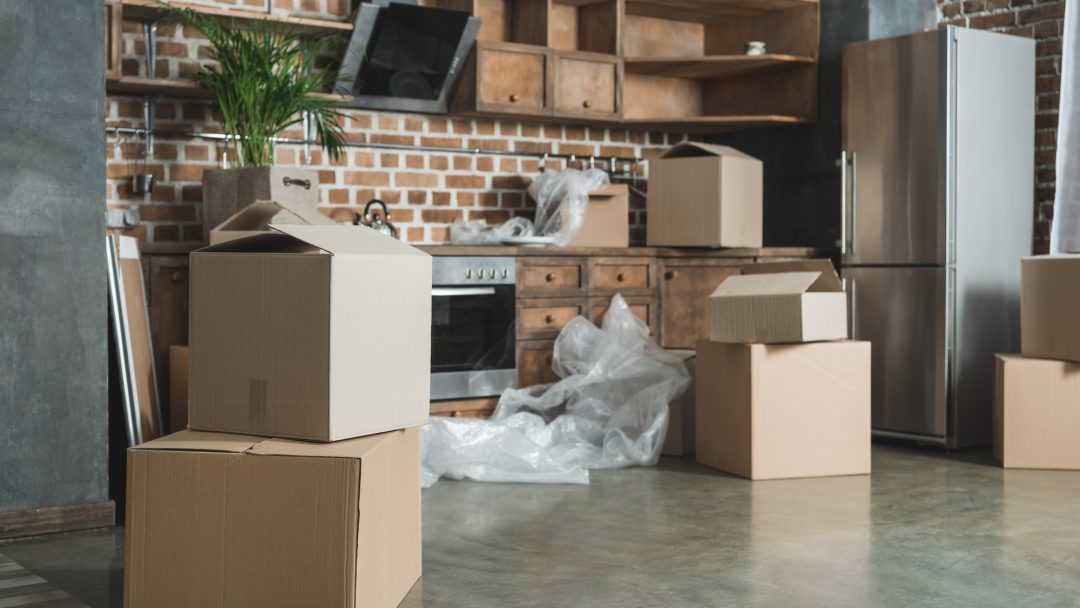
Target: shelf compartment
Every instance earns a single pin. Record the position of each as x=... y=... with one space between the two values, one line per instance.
x=148 y=10
x=585 y=25
x=520 y=21
x=706 y=11
x=714 y=66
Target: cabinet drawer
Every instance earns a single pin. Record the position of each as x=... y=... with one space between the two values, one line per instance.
x=551 y=277
x=512 y=78
x=623 y=276
x=534 y=361
x=545 y=318
x=586 y=86
x=685 y=286
x=645 y=308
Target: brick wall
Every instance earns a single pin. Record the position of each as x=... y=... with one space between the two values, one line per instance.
x=1043 y=21
x=426 y=191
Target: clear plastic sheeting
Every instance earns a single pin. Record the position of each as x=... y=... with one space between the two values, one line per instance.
x=1065 y=228
x=609 y=410
x=562 y=198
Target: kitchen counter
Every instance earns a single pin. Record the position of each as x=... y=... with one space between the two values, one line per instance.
x=659 y=252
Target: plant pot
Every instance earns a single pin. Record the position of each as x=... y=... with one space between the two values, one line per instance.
x=226 y=191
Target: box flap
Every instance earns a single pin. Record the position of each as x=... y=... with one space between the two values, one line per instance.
x=349 y=240
x=782 y=283
x=199 y=441
x=688 y=149
x=609 y=191
x=827 y=281
x=349 y=448
x=258 y=215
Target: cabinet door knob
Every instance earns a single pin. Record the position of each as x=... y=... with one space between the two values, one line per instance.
x=671 y=274
x=549 y=319
x=550 y=278
x=176 y=277
x=586 y=104
x=620 y=277
x=513 y=98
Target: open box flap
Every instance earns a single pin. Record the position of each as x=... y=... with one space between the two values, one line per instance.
x=609 y=191
x=784 y=283
x=348 y=240
x=199 y=441
x=827 y=281
x=349 y=448
x=689 y=149
x=257 y=216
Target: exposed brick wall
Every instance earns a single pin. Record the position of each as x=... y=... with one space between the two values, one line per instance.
x=1043 y=21
x=426 y=191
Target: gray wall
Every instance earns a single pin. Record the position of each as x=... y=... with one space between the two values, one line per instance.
x=802 y=182
x=53 y=354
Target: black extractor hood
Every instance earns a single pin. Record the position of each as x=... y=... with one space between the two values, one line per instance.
x=405 y=57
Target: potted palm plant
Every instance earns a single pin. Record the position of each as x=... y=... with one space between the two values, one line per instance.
x=264 y=83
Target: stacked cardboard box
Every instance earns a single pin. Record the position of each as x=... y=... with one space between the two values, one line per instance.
x=318 y=334
x=781 y=392
x=1037 y=395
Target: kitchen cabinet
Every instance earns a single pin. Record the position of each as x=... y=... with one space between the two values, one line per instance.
x=167 y=304
x=587 y=84
x=534 y=360
x=685 y=286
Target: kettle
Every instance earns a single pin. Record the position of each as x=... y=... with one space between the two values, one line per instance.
x=376 y=222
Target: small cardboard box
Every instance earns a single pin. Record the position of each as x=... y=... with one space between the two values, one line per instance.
x=257 y=217
x=780 y=302
x=178 y=387
x=680 y=434
x=1050 y=291
x=314 y=332
x=704 y=195
x=607 y=219
x=1036 y=413
x=219 y=521
x=784 y=411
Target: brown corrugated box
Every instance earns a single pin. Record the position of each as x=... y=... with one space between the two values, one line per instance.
x=1036 y=413
x=680 y=434
x=1049 y=324
x=257 y=217
x=226 y=191
x=782 y=302
x=784 y=411
x=315 y=332
x=704 y=195
x=607 y=219
x=219 y=521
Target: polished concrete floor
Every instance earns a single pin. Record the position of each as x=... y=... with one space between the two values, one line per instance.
x=926 y=529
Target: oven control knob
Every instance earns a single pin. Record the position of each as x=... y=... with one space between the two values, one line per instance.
x=479 y=273
x=505 y=274
x=468 y=273
x=491 y=273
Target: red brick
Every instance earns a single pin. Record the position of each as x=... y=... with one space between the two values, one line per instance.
x=465 y=181
x=338 y=196
x=440 y=198
x=498 y=145
x=367 y=178
x=196 y=152
x=440 y=235
x=1042 y=12
x=167 y=213
x=389 y=160
x=390 y=197
x=466 y=199
x=414 y=123
x=414 y=161
x=415 y=234
x=485 y=164
x=441 y=142
x=438 y=163
x=463 y=163
x=509 y=182
x=416 y=180
x=418 y=197
x=327 y=177
x=489 y=199
x=441 y=216
x=166 y=233
x=396 y=140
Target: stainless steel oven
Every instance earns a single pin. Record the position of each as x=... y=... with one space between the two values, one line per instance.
x=472 y=326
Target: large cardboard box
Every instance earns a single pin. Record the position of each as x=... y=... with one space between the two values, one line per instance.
x=1036 y=413
x=680 y=434
x=226 y=191
x=607 y=219
x=1050 y=290
x=257 y=217
x=780 y=302
x=220 y=521
x=784 y=411
x=316 y=332
x=704 y=195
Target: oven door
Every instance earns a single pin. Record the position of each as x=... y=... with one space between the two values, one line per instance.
x=472 y=341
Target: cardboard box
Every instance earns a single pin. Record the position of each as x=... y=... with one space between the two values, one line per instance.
x=178 y=387
x=226 y=191
x=784 y=411
x=1036 y=413
x=607 y=219
x=317 y=332
x=704 y=195
x=1050 y=290
x=680 y=433
x=782 y=302
x=257 y=217
x=219 y=521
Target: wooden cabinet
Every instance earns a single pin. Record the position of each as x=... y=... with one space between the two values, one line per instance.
x=646 y=308
x=551 y=277
x=587 y=84
x=512 y=78
x=167 y=304
x=545 y=317
x=622 y=275
x=534 y=360
x=685 y=286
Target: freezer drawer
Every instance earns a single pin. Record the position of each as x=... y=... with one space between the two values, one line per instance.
x=901 y=311
x=895 y=143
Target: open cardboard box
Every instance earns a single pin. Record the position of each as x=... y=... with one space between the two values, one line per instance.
x=780 y=302
x=257 y=217
x=607 y=219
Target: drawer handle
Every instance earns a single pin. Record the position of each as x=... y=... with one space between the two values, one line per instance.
x=620 y=277
x=550 y=278
x=549 y=319
x=586 y=104
x=513 y=98
x=671 y=274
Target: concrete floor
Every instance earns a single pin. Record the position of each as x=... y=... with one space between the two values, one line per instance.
x=926 y=530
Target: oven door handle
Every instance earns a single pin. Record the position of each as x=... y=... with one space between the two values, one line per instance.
x=449 y=292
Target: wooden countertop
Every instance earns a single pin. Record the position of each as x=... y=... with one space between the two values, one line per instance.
x=663 y=252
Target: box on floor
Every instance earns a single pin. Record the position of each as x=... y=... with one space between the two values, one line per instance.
x=704 y=195
x=782 y=302
x=315 y=332
x=1036 y=413
x=680 y=434
x=1050 y=289
x=217 y=520
x=607 y=219
x=784 y=410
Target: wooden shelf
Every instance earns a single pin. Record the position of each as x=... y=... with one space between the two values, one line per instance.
x=147 y=10
x=171 y=87
x=714 y=66
x=707 y=11
x=716 y=124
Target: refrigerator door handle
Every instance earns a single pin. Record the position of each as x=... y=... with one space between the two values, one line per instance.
x=843 y=202
x=854 y=202
x=848 y=285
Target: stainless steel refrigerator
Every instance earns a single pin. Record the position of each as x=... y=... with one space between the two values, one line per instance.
x=938 y=186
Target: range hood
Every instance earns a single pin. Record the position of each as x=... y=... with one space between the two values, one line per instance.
x=405 y=57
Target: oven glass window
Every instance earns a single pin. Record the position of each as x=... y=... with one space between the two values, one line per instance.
x=472 y=329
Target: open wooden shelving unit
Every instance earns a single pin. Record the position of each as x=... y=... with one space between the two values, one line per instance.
x=150 y=10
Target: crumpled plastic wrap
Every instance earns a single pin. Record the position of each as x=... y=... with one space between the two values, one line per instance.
x=609 y=410
x=562 y=199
